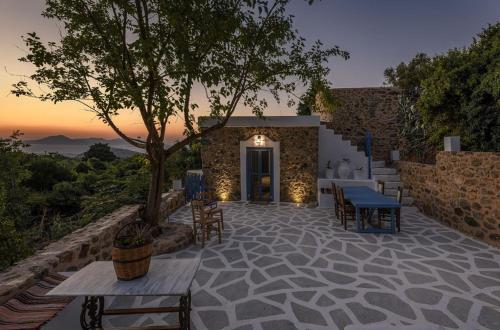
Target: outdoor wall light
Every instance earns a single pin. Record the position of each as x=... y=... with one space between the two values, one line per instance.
x=259 y=140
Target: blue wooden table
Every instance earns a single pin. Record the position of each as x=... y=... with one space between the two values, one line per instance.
x=369 y=199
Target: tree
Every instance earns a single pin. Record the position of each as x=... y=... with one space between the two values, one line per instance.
x=101 y=151
x=455 y=93
x=461 y=96
x=46 y=171
x=317 y=98
x=149 y=56
x=408 y=78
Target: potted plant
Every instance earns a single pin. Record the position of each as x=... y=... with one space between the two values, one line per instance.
x=344 y=168
x=358 y=173
x=132 y=250
x=329 y=170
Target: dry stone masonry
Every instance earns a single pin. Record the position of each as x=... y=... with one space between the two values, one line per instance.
x=298 y=160
x=462 y=190
x=90 y=243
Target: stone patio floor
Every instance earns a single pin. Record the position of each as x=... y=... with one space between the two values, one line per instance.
x=288 y=267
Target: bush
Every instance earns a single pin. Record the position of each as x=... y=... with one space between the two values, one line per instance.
x=457 y=93
x=64 y=198
x=46 y=171
x=100 y=151
x=13 y=244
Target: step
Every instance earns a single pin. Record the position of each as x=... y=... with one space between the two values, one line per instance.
x=384 y=170
x=378 y=163
x=387 y=177
x=394 y=191
x=407 y=201
x=392 y=184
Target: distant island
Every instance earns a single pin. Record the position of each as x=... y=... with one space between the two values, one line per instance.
x=71 y=147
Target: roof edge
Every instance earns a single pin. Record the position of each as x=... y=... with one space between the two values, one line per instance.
x=267 y=121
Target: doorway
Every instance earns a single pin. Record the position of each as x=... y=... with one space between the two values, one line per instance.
x=260 y=185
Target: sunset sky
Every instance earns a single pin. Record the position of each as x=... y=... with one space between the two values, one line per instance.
x=377 y=33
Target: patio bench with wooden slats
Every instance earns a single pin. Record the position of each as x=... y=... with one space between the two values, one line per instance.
x=31 y=309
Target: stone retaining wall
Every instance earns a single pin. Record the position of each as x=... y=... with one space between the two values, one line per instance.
x=83 y=246
x=371 y=108
x=298 y=161
x=462 y=190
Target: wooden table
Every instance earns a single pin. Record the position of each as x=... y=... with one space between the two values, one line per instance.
x=369 y=199
x=166 y=277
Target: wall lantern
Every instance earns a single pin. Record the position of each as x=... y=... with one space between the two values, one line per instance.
x=259 y=140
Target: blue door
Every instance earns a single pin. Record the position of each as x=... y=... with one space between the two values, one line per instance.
x=260 y=174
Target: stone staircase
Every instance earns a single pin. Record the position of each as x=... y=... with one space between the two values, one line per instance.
x=391 y=179
x=333 y=147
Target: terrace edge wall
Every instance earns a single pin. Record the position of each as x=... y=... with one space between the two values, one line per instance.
x=462 y=190
x=79 y=248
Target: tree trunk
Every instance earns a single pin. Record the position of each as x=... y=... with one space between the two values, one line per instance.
x=157 y=162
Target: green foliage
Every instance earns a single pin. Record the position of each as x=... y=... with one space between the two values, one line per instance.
x=409 y=77
x=44 y=197
x=46 y=171
x=64 y=198
x=13 y=244
x=82 y=167
x=317 y=98
x=100 y=151
x=149 y=55
x=456 y=93
x=97 y=164
x=188 y=158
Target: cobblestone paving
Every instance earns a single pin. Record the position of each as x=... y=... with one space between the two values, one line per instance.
x=289 y=267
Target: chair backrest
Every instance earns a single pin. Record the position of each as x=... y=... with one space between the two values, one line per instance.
x=204 y=196
x=399 y=194
x=381 y=186
x=197 y=207
x=340 y=197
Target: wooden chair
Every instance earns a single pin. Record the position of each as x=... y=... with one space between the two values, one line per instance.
x=207 y=198
x=335 y=200
x=384 y=215
x=210 y=205
x=206 y=221
x=347 y=210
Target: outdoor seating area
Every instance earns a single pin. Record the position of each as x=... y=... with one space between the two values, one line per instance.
x=360 y=203
x=282 y=266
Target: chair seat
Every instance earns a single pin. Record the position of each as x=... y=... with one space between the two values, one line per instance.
x=208 y=221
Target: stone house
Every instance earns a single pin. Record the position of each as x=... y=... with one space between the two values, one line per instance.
x=284 y=158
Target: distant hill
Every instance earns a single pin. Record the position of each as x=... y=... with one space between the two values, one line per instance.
x=76 y=147
x=63 y=139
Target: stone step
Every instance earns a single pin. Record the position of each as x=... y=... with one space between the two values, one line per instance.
x=392 y=184
x=387 y=177
x=394 y=191
x=407 y=201
x=383 y=170
x=378 y=163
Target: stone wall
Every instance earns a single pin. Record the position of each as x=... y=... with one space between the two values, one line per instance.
x=462 y=190
x=360 y=109
x=298 y=161
x=81 y=247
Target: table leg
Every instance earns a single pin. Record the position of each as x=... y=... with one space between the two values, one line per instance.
x=91 y=314
x=358 y=224
x=185 y=311
x=393 y=221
